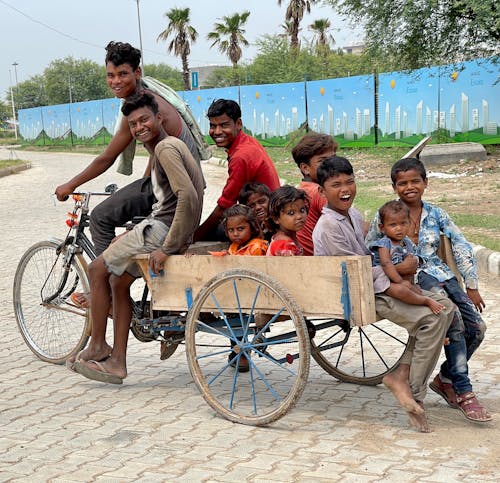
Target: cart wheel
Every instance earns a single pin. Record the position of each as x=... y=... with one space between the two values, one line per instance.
x=51 y=325
x=249 y=373
x=361 y=355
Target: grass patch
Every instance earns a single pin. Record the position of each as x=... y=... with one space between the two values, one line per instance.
x=7 y=163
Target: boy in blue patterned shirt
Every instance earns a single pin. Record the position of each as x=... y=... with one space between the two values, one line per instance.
x=427 y=222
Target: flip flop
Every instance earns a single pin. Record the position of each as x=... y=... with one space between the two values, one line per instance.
x=101 y=374
x=70 y=364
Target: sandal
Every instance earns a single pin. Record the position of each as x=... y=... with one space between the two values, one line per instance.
x=445 y=390
x=472 y=408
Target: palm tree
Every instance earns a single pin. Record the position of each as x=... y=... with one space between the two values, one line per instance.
x=183 y=34
x=322 y=37
x=295 y=13
x=229 y=36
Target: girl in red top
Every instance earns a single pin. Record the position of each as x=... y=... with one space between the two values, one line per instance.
x=288 y=209
x=243 y=229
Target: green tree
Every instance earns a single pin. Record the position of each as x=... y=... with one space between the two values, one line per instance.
x=277 y=62
x=321 y=29
x=5 y=112
x=166 y=74
x=294 y=14
x=74 y=80
x=31 y=93
x=426 y=32
x=229 y=36
x=183 y=34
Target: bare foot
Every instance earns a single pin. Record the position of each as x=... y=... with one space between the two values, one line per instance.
x=419 y=421
x=81 y=299
x=91 y=354
x=397 y=383
x=436 y=307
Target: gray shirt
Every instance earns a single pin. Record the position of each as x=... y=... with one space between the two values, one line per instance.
x=335 y=235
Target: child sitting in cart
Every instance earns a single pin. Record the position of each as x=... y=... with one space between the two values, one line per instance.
x=256 y=196
x=288 y=207
x=309 y=153
x=244 y=232
x=392 y=249
x=339 y=232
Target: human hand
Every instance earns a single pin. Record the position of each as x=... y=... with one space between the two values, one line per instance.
x=476 y=298
x=156 y=260
x=63 y=191
x=408 y=266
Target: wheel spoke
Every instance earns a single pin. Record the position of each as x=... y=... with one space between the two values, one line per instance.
x=260 y=376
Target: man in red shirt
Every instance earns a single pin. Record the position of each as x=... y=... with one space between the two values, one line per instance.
x=309 y=153
x=247 y=162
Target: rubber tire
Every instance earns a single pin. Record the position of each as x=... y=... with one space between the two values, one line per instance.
x=330 y=364
x=52 y=335
x=302 y=340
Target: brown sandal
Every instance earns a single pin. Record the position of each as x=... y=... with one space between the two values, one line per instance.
x=472 y=408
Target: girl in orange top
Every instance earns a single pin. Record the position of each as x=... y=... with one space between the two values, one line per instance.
x=243 y=229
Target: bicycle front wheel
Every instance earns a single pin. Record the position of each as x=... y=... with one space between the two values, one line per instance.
x=51 y=325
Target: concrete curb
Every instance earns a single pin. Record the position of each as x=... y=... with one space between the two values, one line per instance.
x=487 y=260
x=14 y=169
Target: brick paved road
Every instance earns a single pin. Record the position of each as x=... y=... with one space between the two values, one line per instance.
x=56 y=426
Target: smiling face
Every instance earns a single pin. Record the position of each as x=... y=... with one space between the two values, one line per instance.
x=292 y=217
x=410 y=187
x=259 y=204
x=223 y=130
x=340 y=191
x=395 y=225
x=122 y=79
x=144 y=124
x=309 y=170
x=238 y=229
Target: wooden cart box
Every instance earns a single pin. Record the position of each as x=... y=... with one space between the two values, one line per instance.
x=317 y=284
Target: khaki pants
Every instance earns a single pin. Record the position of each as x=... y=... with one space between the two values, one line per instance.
x=427 y=332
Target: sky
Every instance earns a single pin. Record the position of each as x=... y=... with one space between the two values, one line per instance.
x=33 y=33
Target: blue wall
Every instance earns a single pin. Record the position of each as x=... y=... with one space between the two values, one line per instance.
x=460 y=105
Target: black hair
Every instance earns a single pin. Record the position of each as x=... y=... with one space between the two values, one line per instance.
x=248 y=214
x=252 y=188
x=281 y=197
x=406 y=164
x=392 y=207
x=333 y=167
x=141 y=99
x=122 y=53
x=219 y=107
x=310 y=145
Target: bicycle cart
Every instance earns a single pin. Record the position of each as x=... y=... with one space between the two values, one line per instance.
x=249 y=324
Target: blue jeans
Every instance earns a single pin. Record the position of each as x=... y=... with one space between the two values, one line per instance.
x=465 y=334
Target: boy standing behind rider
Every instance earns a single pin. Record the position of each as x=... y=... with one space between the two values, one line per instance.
x=123 y=75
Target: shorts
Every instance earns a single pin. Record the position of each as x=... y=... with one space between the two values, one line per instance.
x=145 y=237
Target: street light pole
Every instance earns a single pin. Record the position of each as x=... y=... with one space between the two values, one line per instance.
x=15 y=64
x=13 y=105
x=140 y=36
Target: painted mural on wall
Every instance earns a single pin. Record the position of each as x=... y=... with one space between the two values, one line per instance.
x=344 y=108
x=272 y=112
x=461 y=104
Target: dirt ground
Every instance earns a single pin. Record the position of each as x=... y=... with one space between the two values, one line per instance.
x=461 y=188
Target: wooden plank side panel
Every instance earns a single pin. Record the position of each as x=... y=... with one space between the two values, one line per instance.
x=315 y=283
